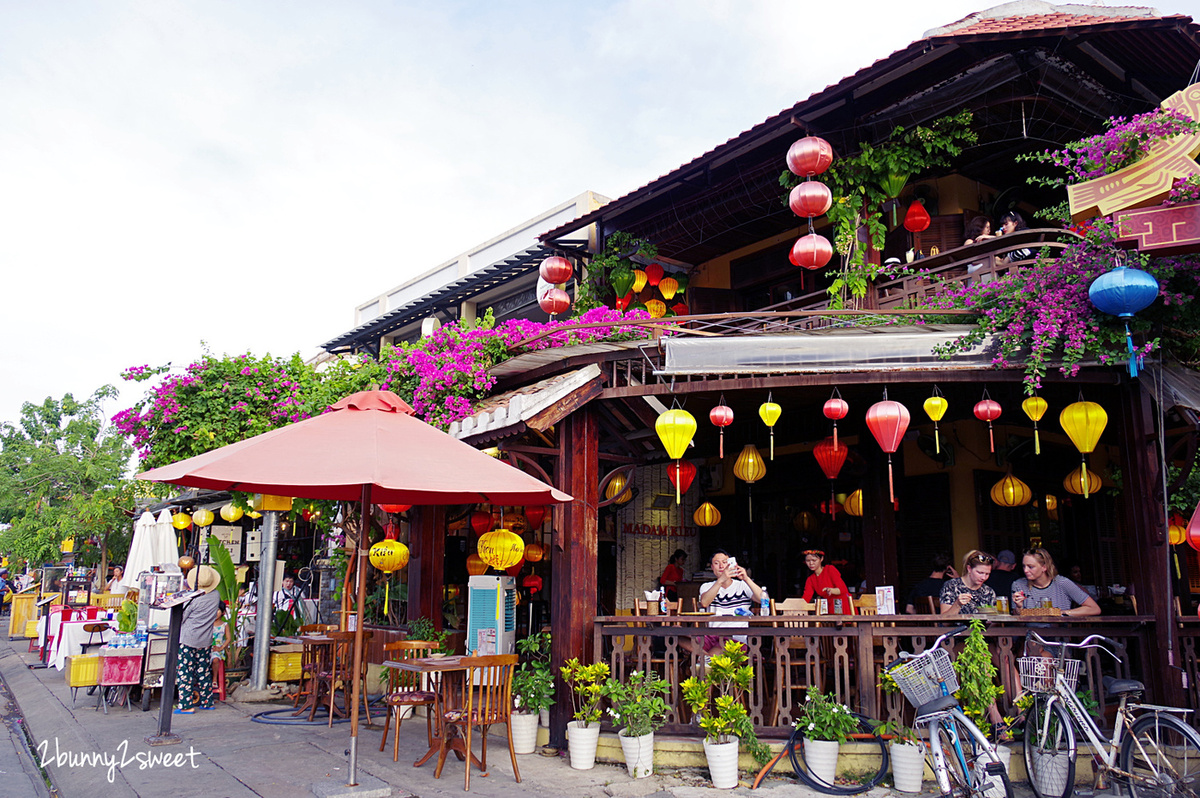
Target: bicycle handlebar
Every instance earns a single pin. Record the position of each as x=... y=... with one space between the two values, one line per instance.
x=907 y=655
x=1087 y=642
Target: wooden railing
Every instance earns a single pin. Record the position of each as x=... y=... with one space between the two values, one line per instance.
x=845 y=655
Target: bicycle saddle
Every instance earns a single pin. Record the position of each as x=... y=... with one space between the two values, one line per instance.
x=1115 y=685
x=937 y=705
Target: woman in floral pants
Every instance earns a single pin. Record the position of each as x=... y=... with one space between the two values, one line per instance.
x=194 y=675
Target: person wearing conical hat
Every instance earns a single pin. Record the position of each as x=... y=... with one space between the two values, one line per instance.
x=194 y=673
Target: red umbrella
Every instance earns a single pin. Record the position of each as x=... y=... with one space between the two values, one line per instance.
x=369 y=447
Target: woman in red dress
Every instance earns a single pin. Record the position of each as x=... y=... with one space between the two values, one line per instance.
x=826 y=583
x=672 y=575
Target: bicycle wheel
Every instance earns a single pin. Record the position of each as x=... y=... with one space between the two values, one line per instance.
x=947 y=737
x=1049 y=749
x=870 y=762
x=977 y=781
x=1162 y=755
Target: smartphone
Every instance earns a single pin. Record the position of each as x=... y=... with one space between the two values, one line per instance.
x=732 y=566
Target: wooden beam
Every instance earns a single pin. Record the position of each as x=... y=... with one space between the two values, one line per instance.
x=427 y=563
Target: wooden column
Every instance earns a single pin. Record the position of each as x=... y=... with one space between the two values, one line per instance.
x=573 y=554
x=427 y=563
x=880 y=556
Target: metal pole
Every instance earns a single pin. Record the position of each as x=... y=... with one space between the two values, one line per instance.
x=167 y=699
x=364 y=529
x=266 y=610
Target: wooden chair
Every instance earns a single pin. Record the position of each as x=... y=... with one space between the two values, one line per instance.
x=485 y=699
x=404 y=689
x=795 y=682
x=866 y=605
x=317 y=628
x=928 y=605
x=340 y=675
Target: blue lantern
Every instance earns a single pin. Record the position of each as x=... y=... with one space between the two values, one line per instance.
x=1122 y=292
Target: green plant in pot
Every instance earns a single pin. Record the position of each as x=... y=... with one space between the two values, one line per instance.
x=422 y=629
x=638 y=708
x=825 y=724
x=717 y=700
x=977 y=691
x=532 y=690
x=587 y=692
x=907 y=753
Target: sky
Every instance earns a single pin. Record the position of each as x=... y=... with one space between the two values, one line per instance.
x=238 y=176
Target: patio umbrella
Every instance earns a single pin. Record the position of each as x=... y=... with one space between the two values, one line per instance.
x=166 y=545
x=141 y=550
x=369 y=447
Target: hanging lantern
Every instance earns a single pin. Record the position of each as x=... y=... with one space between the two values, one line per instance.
x=395 y=509
x=675 y=429
x=683 y=280
x=621 y=281
x=681 y=473
x=1035 y=407
x=535 y=514
x=616 y=486
x=231 y=513
x=475 y=566
x=831 y=458
x=830 y=507
x=654 y=274
x=533 y=582
x=534 y=552
x=513 y=570
x=750 y=468
x=481 y=522
x=1122 y=292
x=854 y=504
x=835 y=409
x=722 y=417
x=680 y=309
x=388 y=555
x=1176 y=533
x=640 y=279
x=622 y=302
x=810 y=198
x=1083 y=422
x=935 y=407
x=888 y=421
x=805 y=522
x=1193 y=529
x=255 y=514
x=656 y=308
x=809 y=156
x=811 y=251
x=501 y=549
x=202 y=517
x=667 y=286
x=1051 y=502
x=1011 y=492
x=769 y=412
x=554 y=301
x=707 y=515
x=986 y=409
x=1082 y=482
x=556 y=270
x=917 y=218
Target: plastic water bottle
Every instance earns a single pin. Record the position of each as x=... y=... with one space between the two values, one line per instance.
x=765 y=608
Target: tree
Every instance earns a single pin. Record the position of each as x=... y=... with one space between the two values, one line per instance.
x=62 y=476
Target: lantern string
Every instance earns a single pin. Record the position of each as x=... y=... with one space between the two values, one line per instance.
x=937 y=439
x=891 y=488
x=1037 y=441
x=835 y=445
x=1133 y=359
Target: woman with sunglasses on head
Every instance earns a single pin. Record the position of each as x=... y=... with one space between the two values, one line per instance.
x=966 y=594
x=827 y=583
x=1045 y=585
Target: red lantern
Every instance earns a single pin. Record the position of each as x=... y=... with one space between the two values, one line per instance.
x=809 y=156
x=811 y=251
x=534 y=552
x=988 y=410
x=535 y=514
x=681 y=473
x=556 y=270
x=533 y=582
x=481 y=522
x=888 y=421
x=394 y=509
x=810 y=198
x=554 y=301
x=654 y=274
x=830 y=507
x=622 y=302
x=722 y=417
x=1193 y=530
x=917 y=218
x=513 y=570
x=835 y=409
x=680 y=309
x=831 y=458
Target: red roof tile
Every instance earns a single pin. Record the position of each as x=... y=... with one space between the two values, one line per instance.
x=1037 y=22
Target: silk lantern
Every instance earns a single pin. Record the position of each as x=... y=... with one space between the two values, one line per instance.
x=681 y=473
x=395 y=509
x=656 y=308
x=769 y=412
x=388 y=555
x=805 y=522
x=639 y=280
x=682 y=279
x=615 y=489
x=475 y=566
x=810 y=198
x=811 y=251
x=986 y=409
x=1035 y=407
x=513 y=570
x=1122 y=292
x=854 y=504
x=202 y=517
x=1082 y=482
x=535 y=514
x=231 y=513
x=707 y=515
x=835 y=409
x=667 y=286
x=555 y=270
x=750 y=468
x=935 y=407
x=1083 y=422
x=675 y=429
x=534 y=552
x=917 y=218
x=621 y=281
x=809 y=156
x=721 y=416
x=1011 y=492
x=680 y=309
x=1177 y=533
x=622 y=302
x=481 y=522
x=501 y=549
x=554 y=301
x=654 y=274
x=888 y=421
x=1193 y=529
x=831 y=458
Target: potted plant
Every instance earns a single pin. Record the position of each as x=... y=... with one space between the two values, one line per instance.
x=532 y=690
x=824 y=724
x=638 y=707
x=977 y=688
x=587 y=691
x=716 y=699
x=907 y=754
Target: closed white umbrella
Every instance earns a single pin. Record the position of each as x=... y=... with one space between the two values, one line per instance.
x=166 y=546
x=141 y=551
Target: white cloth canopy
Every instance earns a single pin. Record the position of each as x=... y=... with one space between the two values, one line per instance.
x=166 y=547
x=141 y=551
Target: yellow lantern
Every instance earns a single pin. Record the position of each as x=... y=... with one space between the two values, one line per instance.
x=231 y=513
x=675 y=429
x=639 y=280
x=388 y=555
x=656 y=308
x=1051 y=502
x=668 y=286
x=616 y=486
x=854 y=502
x=1035 y=407
x=750 y=468
x=475 y=566
x=181 y=520
x=707 y=515
x=769 y=412
x=255 y=514
x=1083 y=422
x=534 y=552
x=935 y=408
x=805 y=522
x=1011 y=492
x=1176 y=534
x=202 y=517
x=1076 y=482
x=501 y=549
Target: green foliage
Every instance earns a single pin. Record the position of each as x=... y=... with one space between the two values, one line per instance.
x=533 y=683
x=821 y=717
x=717 y=700
x=638 y=705
x=286 y=623
x=976 y=676
x=587 y=688
x=900 y=733
x=222 y=562
x=423 y=629
x=127 y=616
x=596 y=290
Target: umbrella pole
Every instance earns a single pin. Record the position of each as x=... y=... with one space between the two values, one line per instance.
x=361 y=590
x=266 y=609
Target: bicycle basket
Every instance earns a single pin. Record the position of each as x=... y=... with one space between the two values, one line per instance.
x=920 y=678
x=1037 y=673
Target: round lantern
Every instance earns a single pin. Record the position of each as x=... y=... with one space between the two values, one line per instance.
x=555 y=270
x=202 y=517
x=622 y=302
x=475 y=566
x=707 y=515
x=554 y=301
x=675 y=429
x=809 y=156
x=640 y=278
x=681 y=473
x=513 y=570
x=656 y=308
x=1035 y=407
x=1083 y=422
x=654 y=273
x=667 y=286
x=621 y=281
x=811 y=251
x=501 y=549
x=481 y=522
x=917 y=218
x=1176 y=534
x=682 y=279
x=935 y=407
x=835 y=409
x=810 y=198
x=534 y=552
x=888 y=421
x=533 y=582
x=1011 y=492
x=986 y=409
x=535 y=514
x=255 y=514
x=616 y=486
x=231 y=513
x=1123 y=292
x=1051 y=502
x=388 y=555
x=854 y=504
x=1193 y=529
x=1082 y=482
x=395 y=509
x=805 y=522
x=680 y=309
x=721 y=416
x=750 y=468
x=769 y=412
x=831 y=459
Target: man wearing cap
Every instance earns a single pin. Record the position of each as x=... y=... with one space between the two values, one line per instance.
x=1004 y=574
x=194 y=677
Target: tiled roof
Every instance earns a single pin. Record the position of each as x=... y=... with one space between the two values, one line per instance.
x=1036 y=22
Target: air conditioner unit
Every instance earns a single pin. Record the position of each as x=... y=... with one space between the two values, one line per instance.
x=491 y=615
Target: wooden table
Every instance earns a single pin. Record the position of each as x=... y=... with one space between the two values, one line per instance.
x=439 y=666
x=316 y=658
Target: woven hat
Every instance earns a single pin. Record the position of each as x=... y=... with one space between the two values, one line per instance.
x=203 y=578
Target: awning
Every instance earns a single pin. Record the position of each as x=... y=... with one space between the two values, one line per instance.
x=1172 y=385
x=538 y=406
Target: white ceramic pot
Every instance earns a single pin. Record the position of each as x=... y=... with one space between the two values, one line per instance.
x=1005 y=754
x=524 y=731
x=544 y=716
x=639 y=754
x=581 y=744
x=821 y=758
x=908 y=766
x=722 y=763
x=1052 y=770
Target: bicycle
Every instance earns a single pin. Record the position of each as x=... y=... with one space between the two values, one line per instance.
x=962 y=758
x=1154 y=752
